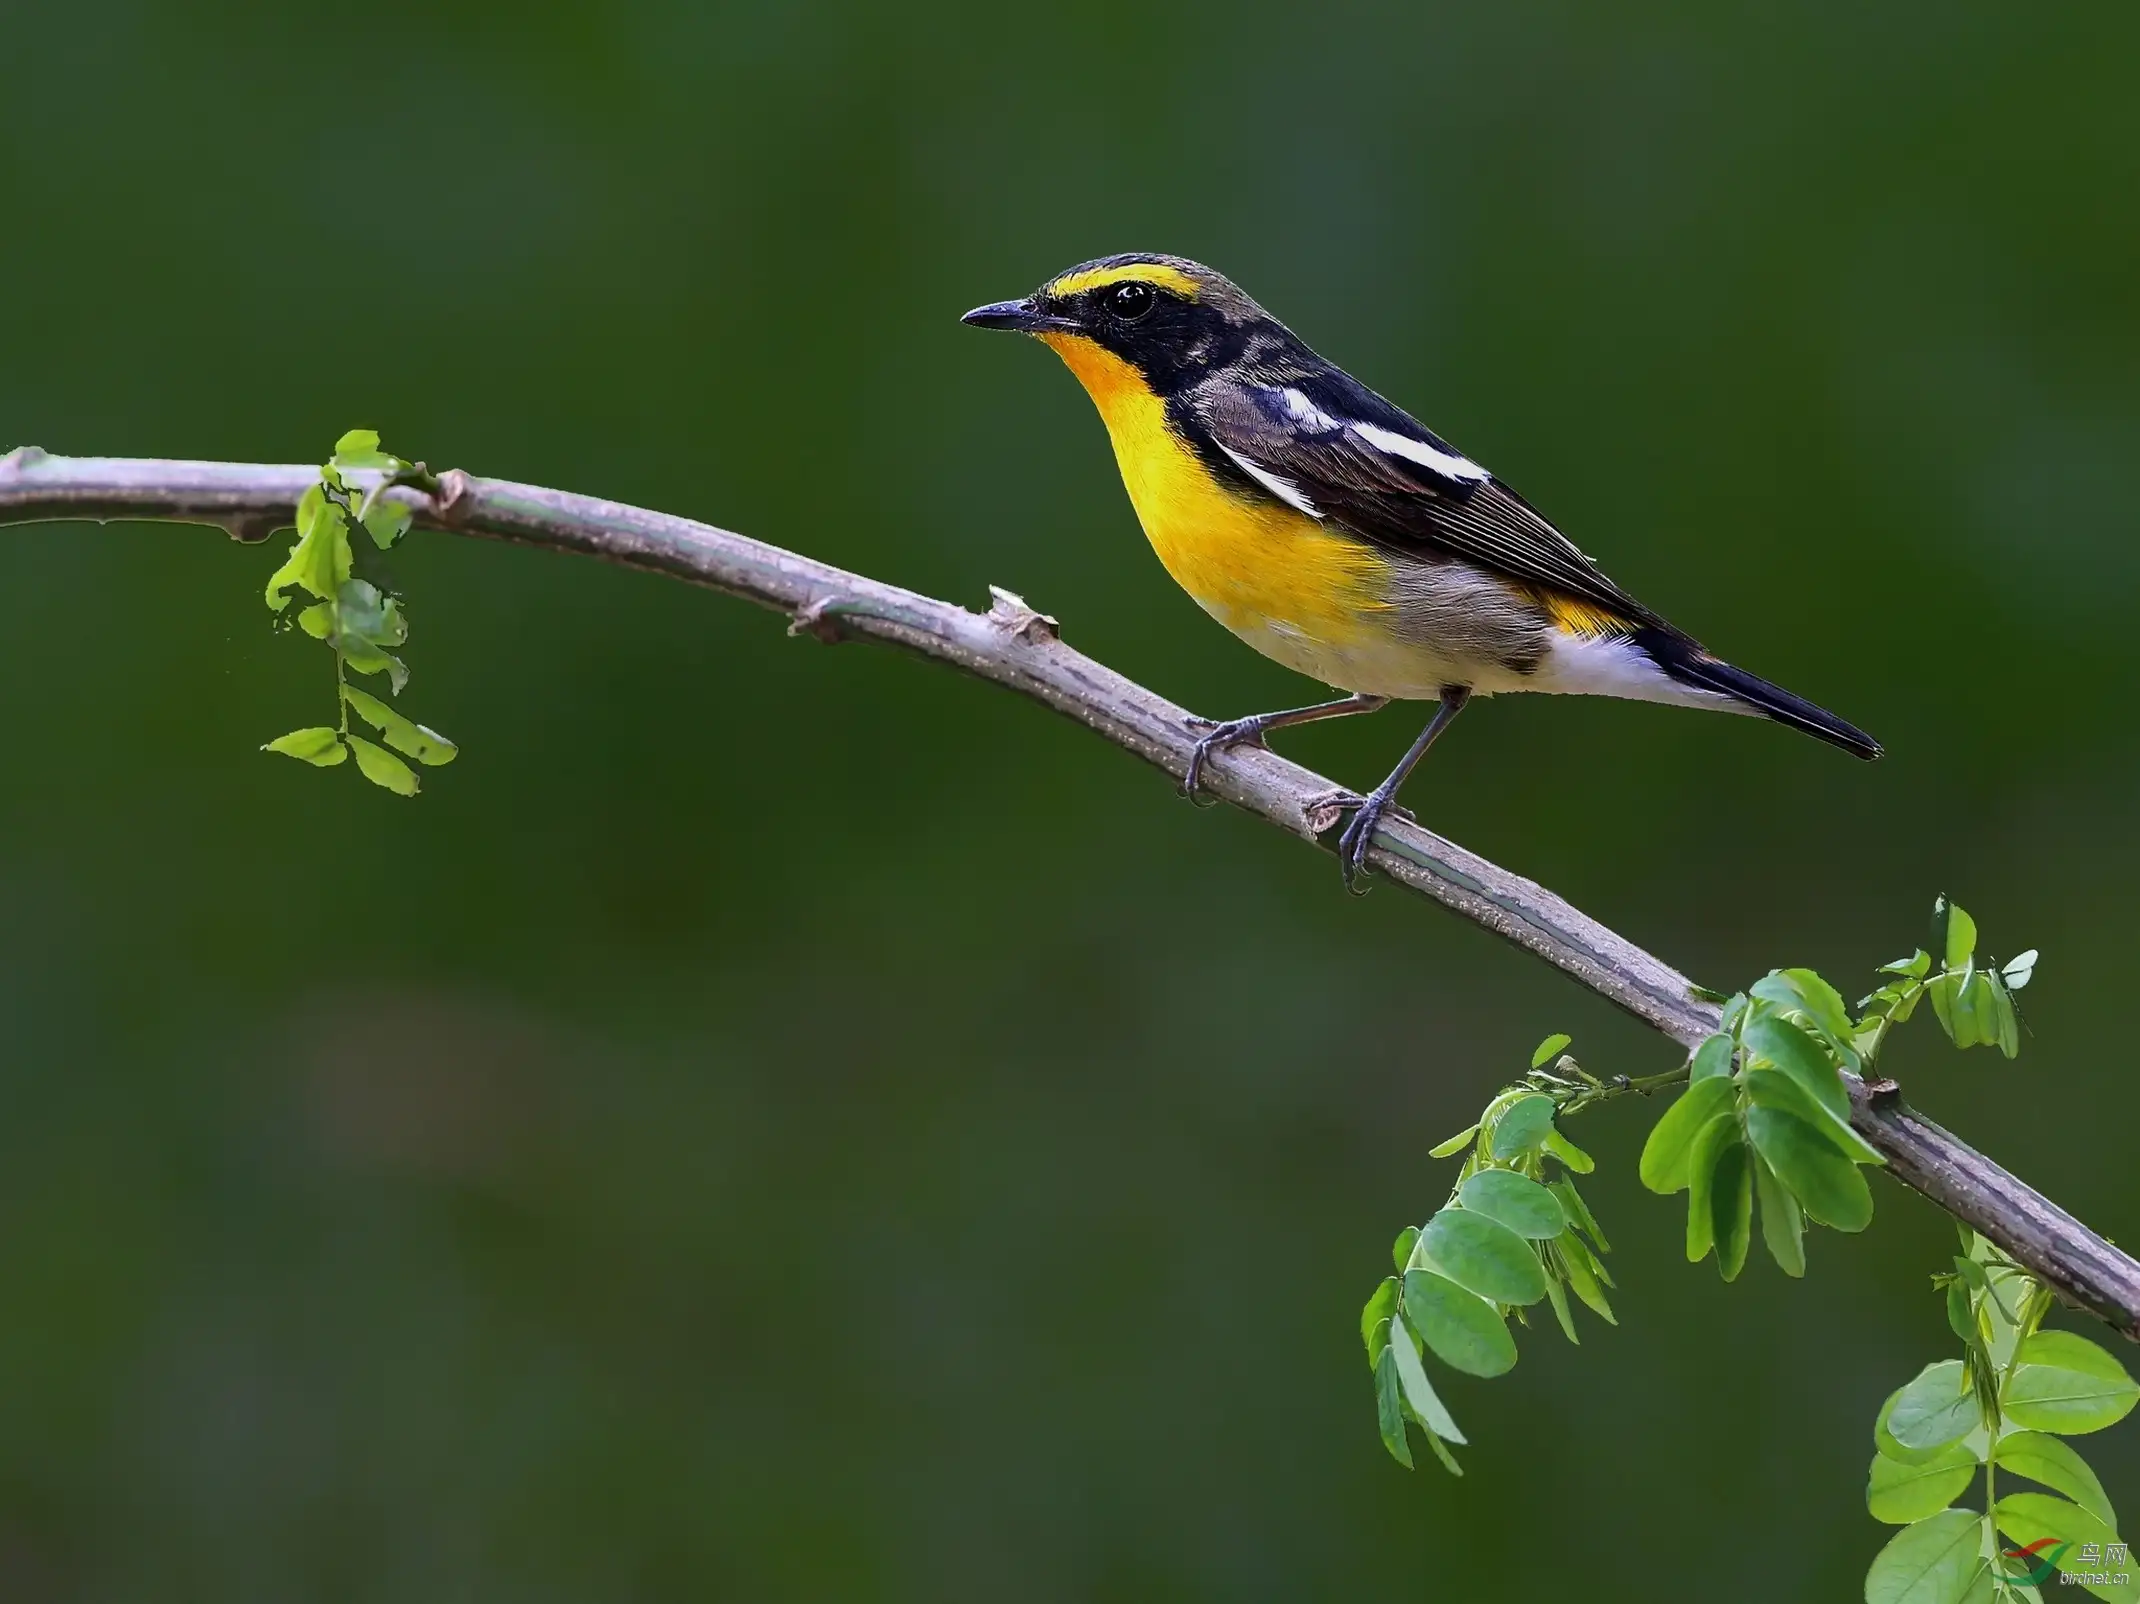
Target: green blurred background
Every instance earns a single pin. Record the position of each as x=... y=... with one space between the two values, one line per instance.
x=779 y=1123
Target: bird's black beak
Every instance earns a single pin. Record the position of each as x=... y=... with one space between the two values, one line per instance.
x=1022 y=317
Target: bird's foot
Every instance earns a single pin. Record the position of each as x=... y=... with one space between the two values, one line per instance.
x=1368 y=812
x=1218 y=738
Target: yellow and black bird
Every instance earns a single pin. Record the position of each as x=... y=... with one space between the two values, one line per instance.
x=1333 y=532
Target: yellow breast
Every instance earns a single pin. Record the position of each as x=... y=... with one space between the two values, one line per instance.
x=1277 y=578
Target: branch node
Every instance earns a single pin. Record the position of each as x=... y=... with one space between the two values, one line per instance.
x=1322 y=811
x=1009 y=611
x=454 y=487
x=818 y=620
x=20 y=458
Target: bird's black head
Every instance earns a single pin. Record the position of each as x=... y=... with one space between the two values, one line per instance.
x=1171 y=319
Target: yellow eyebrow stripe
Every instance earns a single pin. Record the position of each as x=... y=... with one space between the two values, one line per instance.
x=1154 y=273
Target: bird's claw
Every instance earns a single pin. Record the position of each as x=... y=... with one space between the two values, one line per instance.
x=1368 y=812
x=1218 y=738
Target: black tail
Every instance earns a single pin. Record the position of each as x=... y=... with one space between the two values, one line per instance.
x=1690 y=665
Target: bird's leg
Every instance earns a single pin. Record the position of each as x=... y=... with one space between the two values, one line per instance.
x=1360 y=833
x=1251 y=730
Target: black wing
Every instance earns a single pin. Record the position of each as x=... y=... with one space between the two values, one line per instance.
x=1331 y=446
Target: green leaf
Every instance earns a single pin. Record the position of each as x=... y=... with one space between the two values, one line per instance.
x=1418 y=1391
x=1783 y=1225
x=1584 y=1277
x=1568 y=1153
x=1884 y=1440
x=1571 y=1202
x=2055 y=1464
x=1916 y=966
x=1941 y=989
x=370 y=616
x=2005 y=1017
x=1771 y=1088
x=1933 y=1410
x=1978 y=1003
x=419 y=741
x=359 y=449
x=1805 y=992
x=387 y=521
x=370 y=660
x=1517 y=1201
x=1957 y=933
x=319 y=562
x=317 y=620
x=1899 y=1493
x=2067 y=1384
x=1375 y=1318
x=1802 y=1058
x=320 y=746
x=368 y=623
x=1712 y=1058
x=1481 y=1253
x=1463 y=1329
x=1401 y=1249
x=2030 y=1517
x=355 y=443
x=1709 y=1145
x=382 y=768
x=1523 y=1126
x=1455 y=1144
x=1827 y=1185
x=1933 y=1561
x=1731 y=1204
x=1442 y=1453
x=1548 y=1048
x=1389 y=1409
x=1823 y=1002
x=1557 y=1295
x=1671 y=1139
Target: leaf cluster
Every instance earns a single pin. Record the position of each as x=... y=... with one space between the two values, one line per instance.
x=1761 y=1133
x=1766 y=1114
x=361 y=623
x=2002 y=1410
x=1514 y=1233
x=1972 y=997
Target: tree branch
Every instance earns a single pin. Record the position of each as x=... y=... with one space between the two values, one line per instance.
x=1016 y=647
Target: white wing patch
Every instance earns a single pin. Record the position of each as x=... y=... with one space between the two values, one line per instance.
x=1304 y=411
x=1277 y=484
x=1446 y=463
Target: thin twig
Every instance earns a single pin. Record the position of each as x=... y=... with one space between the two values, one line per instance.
x=1014 y=646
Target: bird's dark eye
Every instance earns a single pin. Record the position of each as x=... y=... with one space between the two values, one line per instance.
x=1131 y=301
